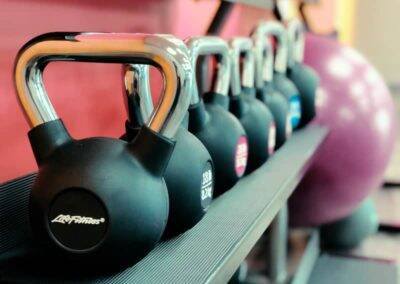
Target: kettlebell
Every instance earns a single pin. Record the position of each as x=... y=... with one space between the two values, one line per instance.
x=275 y=100
x=190 y=173
x=280 y=81
x=255 y=117
x=240 y=275
x=350 y=231
x=211 y=122
x=303 y=76
x=100 y=201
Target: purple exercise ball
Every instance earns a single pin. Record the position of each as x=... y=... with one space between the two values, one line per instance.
x=355 y=104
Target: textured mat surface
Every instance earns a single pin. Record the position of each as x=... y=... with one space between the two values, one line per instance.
x=14 y=228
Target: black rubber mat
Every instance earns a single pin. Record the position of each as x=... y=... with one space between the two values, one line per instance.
x=14 y=227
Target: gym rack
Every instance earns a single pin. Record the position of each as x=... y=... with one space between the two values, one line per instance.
x=208 y=253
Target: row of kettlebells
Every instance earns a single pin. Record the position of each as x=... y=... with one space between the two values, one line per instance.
x=109 y=201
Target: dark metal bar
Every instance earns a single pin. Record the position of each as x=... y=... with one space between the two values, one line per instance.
x=217 y=23
x=214 y=28
x=277 y=256
x=391 y=184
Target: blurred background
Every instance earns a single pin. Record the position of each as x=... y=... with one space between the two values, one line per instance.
x=89 y=96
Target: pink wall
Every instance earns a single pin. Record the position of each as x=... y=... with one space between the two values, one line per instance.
x=87 y=96
x=322 y=17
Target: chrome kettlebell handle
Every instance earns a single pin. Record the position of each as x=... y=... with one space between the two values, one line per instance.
x=267 y=63
x=276 y=29
x=296 y=37
x=242 y=46
x=264 y=60
x=138 y=99
x=210 y=45
x=163 y=51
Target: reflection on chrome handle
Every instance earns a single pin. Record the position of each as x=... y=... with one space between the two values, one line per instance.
x=211 y=45
x=239 y=46
x=296 y=39
x=138 y=97
x=260 y=34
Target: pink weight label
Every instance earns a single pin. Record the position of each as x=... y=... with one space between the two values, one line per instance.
x=242 y=152
x=289 y=128
x=271 y=138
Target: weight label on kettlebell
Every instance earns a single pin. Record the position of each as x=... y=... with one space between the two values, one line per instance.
x=289 y=129
x=207 y=185
x=295 y=110
x=241 y=155
x=78 y=219
x=271 y=138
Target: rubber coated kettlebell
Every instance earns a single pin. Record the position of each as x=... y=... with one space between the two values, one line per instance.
x=280 y=81
x=190 y=173
x=218 y=129
x=303 y=76
x=350 y=231
x=255 y=117
x=266 y=92
x=101 y=201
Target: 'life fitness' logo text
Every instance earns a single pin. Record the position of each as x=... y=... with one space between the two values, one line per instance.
x=68 y=219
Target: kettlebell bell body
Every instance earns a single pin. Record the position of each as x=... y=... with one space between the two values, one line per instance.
x=254 y=116
x=304 y=77
x=279 y=107
x=211 y=122
x=223 y=136
x=259 y=125
x=85 y=187
x=307 y=81
x=189 y=177
x=190 y=182
x=349 y=232
x=286 y=87
x=100 y=201
x=190 y=172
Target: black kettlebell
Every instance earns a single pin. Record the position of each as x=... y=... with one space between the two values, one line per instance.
x=211 y=122
x=304 y=77
x=275 y=101
x=240 y=275
x=190 y=173
x=100 y=201
x=255 y=117
x=280 y=81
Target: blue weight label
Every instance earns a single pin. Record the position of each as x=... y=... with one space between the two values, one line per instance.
x=295 y=111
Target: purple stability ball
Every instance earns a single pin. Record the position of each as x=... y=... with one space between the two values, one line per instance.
x=356 y=105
